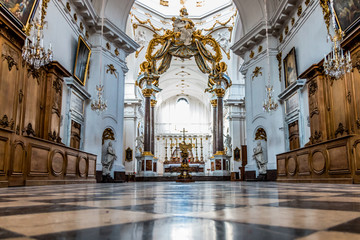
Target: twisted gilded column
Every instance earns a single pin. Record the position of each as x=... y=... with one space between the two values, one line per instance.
x=152 y=126
x=220 y=123
x=214 y=127
x=147 y=94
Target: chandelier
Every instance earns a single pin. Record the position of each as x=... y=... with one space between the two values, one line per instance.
x=269 y=102
x=99 y=104
x=33 y=51
x=336 y=64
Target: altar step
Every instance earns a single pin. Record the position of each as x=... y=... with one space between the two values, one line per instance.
x=174 y=178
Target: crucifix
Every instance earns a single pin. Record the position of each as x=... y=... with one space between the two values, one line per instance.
x=183 y=131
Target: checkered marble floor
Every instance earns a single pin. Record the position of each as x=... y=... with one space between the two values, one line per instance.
x=200 y=210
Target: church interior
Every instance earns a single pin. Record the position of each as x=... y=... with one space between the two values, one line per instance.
x=179 y=119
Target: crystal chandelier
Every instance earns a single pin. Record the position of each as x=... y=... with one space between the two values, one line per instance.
x=269 y=102
x=336 y=64
x=33 y=51
x=99 y=104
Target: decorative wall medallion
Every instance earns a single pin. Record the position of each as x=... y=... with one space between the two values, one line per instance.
x=292 y=21
x=29 y=130
x=87 y=34
x=111 y=69
x=108 y=47
x=341 y=129
x=75 y=17
x=260 y=49
x=11 y=62
x=81 y=26
x=260 y=134
x=128 y=154
x=116 y=52
x=307 y=2
x=5 y=123
x=318 y=162
x=281 y=38
x=256 y=72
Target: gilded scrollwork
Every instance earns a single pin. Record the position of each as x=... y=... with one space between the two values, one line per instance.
x=256 y=72
x=111 y=69
x=326 y=12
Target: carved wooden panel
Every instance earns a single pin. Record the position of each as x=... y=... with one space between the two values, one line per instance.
x=75 y=135
x=58 y=162
x=71 y=165
x=92 y=167
x=281 y=167
x=291 y=166
x=82 y=166
x=318 y=162
x=38 y=159
x=4 y=143
x=294 y=140
x=303 y=163
x=17 y=165
x=339 y=162
x=357 y=156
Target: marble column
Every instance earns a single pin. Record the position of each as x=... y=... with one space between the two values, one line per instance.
x=214 y=130
x=152 y=131
x=220 y=124
x=147 y=138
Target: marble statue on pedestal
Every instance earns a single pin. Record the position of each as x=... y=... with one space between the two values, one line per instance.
x=108 y=160
x=139 y=144
x=261 y=161
x=228 y=145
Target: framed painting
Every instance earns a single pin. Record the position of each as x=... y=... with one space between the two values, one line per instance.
x=20 y=12
x=82 y=59
x=347 y=13
x=290 y=68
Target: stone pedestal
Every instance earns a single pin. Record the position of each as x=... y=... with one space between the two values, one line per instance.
x=221 y=165
x=147 y=166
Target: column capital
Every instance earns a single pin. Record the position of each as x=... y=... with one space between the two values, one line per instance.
x=214 y=102
x=220 y=92
x=147 y=92
x=153 y=102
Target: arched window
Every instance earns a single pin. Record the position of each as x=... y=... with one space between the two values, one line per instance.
x=182 y=112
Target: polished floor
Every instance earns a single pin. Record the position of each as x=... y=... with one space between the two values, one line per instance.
x=201 y=210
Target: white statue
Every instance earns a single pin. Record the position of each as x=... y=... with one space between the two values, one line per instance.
x=108 y=160
x=258 y=156
x=140 y=38
x=184 y=26
x=139 y=143
x=228 y=145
